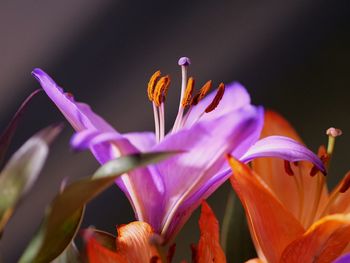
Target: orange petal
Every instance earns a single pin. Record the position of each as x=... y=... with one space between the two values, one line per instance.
x=292 y=191
x=324 y=241
x=272 y=226
x=275 y=124
x=134 y=243
x=341 y=203
x=209 y=249
x=100 y=254
x=254 y=260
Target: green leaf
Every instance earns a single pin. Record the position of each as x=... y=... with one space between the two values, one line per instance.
x=69 y=255
x=235 y=236
x=7 y=135
x=22 y=170
x=66 y=210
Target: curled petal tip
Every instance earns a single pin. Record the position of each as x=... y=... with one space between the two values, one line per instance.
x=36 y=73
x=184 y=61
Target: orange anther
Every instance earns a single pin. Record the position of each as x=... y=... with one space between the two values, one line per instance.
x=161 y=89
x=202 y=92
x=186 y=100
x=217 y=98
x=152 y=84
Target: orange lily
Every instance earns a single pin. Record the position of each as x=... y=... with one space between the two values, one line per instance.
x=291 y=215
x=137 y=243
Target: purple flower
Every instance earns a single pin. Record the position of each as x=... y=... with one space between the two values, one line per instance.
x=206 y=128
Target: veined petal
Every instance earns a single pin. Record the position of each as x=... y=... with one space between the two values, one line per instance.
x=186 y=208
x=143 y=141
x=275 y=124
x=285 y=187
x=106 y=144
x=235 y=97
x=134 y=243
x=209 y=249
x=272 y=226
x=204 y=146
x=341 y=202
x=79 y=115
x=324 y=241
x=284 y=148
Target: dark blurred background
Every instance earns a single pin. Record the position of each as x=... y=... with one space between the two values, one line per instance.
x=293 y=56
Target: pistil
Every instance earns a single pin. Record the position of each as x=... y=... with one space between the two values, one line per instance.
x=184 y=62
x=325 y=156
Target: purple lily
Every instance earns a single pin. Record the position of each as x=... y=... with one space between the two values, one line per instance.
x=206 y=128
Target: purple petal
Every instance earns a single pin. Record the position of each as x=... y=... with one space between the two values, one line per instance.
x=127 y=143
x=343 y=259
x=185 y=210
x=235 y=97
x=79 y=115
x=205 y=146
x=144 y=187
x=143 y=141
x=284 y=148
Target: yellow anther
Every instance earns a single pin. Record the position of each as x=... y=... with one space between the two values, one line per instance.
x=186 y=100
x=217 y=98
x=152 y=84
x=161 y=90
x=202 y=92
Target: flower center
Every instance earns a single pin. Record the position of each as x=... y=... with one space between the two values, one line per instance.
x=157 y=91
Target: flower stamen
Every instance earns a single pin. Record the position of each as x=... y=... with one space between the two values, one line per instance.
x=186 y=100
x=332 y=134
x=157 y=90
x=152 y=84
x=161 y=89
x=288 y=168
x=184 y=62
x=219 y=94
x=201 y=94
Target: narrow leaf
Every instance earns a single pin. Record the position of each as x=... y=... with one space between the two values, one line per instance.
x=69 y=255
x=6 y=136
x=66 y=210
x=22 y=170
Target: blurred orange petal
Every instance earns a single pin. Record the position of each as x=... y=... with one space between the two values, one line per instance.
x=275 y=124
x=324 y=241
x=100 y=254
x=209 y=249
x=133 y=243
x=341 y=203
x=254 y=260
x=272 y=226
x=292 y=191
